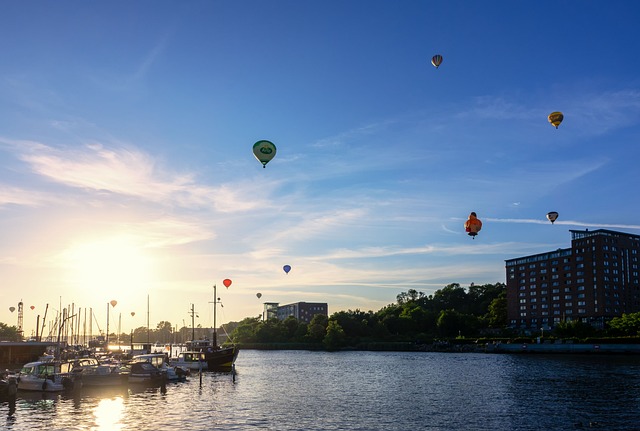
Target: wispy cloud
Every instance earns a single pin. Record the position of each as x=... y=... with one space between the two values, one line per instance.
x=567 y=223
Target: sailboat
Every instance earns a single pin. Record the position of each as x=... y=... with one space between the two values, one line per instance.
x=216 y=357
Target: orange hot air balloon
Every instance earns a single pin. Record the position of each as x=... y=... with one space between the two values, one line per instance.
x=113 y=302
x=133 y=313
x=226 y=282
x=33 y=307
x=436 y=60
x=473 y=225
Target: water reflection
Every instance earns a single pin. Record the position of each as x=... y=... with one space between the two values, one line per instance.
x=359 y=391
x=108 y=414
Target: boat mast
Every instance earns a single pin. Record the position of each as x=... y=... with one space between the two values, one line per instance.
x=215 y=333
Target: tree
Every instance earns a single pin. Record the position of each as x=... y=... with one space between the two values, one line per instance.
x=497 y=314
x=317 y=328
x=627 y=324
x=9 y=333
x=335 y=337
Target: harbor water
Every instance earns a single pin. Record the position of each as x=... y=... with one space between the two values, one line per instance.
x=299 y=390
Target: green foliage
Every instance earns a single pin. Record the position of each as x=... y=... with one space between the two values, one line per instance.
x=335 y=337
x=9 y=333
x=628 y=324
x=450 y=312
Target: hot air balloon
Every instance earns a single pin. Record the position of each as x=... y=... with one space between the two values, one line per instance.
x=259 y=295
x=33 y=307
x=436 y=60
x=133 y=313
x=12 y=309
x=555 y=118
x=264 y=151
x=287 y=268
x=226 y=282
x=113 y=302
x=473 y=225
x=552 y=216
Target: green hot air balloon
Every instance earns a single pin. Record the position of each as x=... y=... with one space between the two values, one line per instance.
x=264 y=151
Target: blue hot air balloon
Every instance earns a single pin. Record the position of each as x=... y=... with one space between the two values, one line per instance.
x=287 y=268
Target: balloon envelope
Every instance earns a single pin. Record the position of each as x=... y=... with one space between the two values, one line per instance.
x=113 y=302
x=259 y=295
x=436 y=60
x=287 y=268
x=552 y=216
x=226 y=282
x=555 y=118
x=264 y=151
x=133 y=313
x=33 y=307
x=12 y=309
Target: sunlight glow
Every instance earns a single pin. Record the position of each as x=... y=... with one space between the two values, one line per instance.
x=116 y=265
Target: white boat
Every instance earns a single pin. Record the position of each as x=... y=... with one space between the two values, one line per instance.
x=195 y=361
x=43 y=376
x=159 y=360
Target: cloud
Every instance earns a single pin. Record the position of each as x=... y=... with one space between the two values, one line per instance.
x=127 y=171
x=567 y=223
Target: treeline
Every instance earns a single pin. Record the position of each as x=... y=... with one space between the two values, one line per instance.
x=453 y=311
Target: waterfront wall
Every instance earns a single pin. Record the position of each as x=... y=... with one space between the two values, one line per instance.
x=562 y=348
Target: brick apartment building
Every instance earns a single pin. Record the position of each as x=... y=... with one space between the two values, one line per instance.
x=594 y=280
x=303 y=311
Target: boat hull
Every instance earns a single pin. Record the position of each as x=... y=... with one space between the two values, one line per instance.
x=221 y=359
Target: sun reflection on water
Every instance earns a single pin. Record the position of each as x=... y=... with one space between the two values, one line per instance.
x=108 y=414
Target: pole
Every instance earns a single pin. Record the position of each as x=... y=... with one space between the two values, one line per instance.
x=107 y=338
x=215 y=331
x=193 y=316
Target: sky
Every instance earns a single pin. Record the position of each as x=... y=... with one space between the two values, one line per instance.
x=126 y=135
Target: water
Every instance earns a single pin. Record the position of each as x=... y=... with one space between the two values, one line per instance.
x=297 y=390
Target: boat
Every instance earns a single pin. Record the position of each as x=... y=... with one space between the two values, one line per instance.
x=143 y=373
x=95 y=373
x=194 y=361
x=218 y=358
x=44 y=376
x=172 y=373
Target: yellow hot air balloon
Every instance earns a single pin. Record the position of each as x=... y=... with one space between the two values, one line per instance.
x=436 y=60
x=555 y=118
x=552 y=216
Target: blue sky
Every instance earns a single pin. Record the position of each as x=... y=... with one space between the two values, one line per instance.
x=126 y=131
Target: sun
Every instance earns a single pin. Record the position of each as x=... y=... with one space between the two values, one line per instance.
x=117 y=266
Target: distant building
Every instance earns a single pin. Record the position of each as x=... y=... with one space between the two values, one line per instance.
x=303 y=311
x=594 y=280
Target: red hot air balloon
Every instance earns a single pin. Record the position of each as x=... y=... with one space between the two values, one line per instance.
x=226 y=282
x=33 y=307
